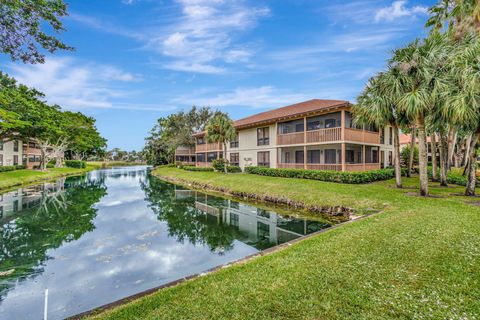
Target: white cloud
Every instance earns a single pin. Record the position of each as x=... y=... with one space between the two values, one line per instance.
x=74 y=85
x=106 y=26
x=398 y=9
x=261 y=97
x=203 y=36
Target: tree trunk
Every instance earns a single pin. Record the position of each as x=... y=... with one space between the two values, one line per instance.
x=422 y=156
x=398 y=169
x=472 y=167
x=225 y=157
x=443 y=158
x=433 y=144
x=452 y=140
x=467 y=150
x=412 y=153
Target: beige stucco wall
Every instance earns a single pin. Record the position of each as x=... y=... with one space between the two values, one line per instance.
x=8 y=153
x=247 y=141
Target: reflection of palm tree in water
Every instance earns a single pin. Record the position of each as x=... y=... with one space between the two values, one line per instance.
x=185 y=221
x=64 y=213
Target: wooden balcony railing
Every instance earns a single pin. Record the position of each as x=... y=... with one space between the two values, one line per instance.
x=204 y=164
x=184 y=152
x=330 y=167
x=291 y=165
x=291 y=138
x=324 y=135
x=362 y=166
x=208 y=147
x=359 y=135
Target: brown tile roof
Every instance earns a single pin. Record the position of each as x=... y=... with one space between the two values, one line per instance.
x=297 y=109
x=406 y=139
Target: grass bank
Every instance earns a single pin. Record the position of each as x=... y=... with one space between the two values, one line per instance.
x=419 y=259
x=111 y=164
x=17 y=178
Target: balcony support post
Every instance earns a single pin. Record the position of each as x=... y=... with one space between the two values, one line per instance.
x=363 y=156
x=344 y=164
x=342 y=123
x=305 y=157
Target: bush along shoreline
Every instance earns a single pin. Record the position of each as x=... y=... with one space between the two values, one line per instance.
x=323 y=175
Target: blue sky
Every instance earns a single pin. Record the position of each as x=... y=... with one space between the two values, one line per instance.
x=138 y=60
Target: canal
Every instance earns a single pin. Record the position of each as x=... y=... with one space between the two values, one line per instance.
x=94 y=239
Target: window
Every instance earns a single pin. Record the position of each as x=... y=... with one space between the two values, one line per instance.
x=234 y=159
x=330 y=123
x=350 y=156
x=287 y=157
x=330 y=156
x=263 y=136
x=15 y=147
x=299 y=156
x=234 y=143
x=211 y=156
x=390 y=136
x=1 y=145
x=200 y=157
x=374 y=156
x=1 y=159
x=382 y=136
x=291 y=126
x=201 y=140
x=1 y=212
x=313 y=156
x=390 y=158
x=15 y=160
x=263 y=159
x=15 y=206
x=31 y=145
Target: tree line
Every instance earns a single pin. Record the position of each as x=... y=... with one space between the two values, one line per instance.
x=27 y=117
x=431 y=87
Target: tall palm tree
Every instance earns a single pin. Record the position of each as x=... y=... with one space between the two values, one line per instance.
x=376 y=105
x=220 y=129
x=419 y=65
x=462 y=102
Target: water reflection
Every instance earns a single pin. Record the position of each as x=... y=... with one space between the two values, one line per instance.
x=113 y=233
x=217 y=222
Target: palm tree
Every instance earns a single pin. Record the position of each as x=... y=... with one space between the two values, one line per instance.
x=462 y=103
x=220 y=129
x=376 y=105
x=419 y=65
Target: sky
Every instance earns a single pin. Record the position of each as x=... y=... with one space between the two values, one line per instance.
x=138 y=60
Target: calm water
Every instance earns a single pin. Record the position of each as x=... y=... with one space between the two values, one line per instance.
x=96 y=239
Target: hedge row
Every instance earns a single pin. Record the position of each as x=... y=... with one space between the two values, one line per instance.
x=11 y=168
x=323 y=175
x=193 y=168
x=76 y=164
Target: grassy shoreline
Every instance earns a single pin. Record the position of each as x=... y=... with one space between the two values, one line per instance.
x=419 y=258
x=18 y=178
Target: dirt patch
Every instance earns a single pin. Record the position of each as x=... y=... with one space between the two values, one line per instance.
x=416 y=194
x=473 y=203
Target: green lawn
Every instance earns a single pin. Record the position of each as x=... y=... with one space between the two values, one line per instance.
x=418 y=259
x=21 y=177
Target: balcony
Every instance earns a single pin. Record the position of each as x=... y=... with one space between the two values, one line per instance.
x=208 y=147
x=362 y=136
x=184 y=151
x=324 y=135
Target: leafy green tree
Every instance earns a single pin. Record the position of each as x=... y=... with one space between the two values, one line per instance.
x=21 y=34
x=220 y=129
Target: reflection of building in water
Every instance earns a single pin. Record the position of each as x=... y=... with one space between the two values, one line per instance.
x=260 y=228
x=27 y=198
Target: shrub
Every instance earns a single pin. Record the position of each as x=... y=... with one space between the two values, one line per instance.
x=405 y=156
x=20 y=167
x=79 y=164
x=219 y=164
x=234 y=169
x=7 y=168
x=192 y=168
x=50 y=165
x=179 y=164
x=322 y=175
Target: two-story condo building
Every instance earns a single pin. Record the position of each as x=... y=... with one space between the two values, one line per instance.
x=315 y=134
x=11 y=153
